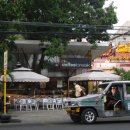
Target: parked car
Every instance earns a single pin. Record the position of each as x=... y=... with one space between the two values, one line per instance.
x=91 y=106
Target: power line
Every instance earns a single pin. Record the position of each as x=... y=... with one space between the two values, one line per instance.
x=63 y=25
x=61 y=33
x=125 y=33
x=37 y=24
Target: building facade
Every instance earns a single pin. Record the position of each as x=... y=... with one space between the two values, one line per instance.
x=118 y=55
x=77 y=59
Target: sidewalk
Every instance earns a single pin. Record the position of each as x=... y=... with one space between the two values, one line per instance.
x=39 y=117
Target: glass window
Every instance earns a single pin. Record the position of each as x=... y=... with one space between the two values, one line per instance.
x=128 y=88
x=100 y=88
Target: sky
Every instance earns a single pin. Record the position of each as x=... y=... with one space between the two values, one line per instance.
x=123 y=11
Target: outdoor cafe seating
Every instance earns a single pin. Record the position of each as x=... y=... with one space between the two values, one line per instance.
x=46 y=103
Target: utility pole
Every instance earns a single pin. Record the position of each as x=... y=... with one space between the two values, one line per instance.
x=5 y=118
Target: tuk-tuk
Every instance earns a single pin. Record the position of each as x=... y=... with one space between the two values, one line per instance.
x=86 y=109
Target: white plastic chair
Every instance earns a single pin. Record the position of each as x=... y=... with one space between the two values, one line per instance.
x=16 y=103
x=54 y=103
x=45 y=103
x=50 y=104
x=29 y=104
x=23 y=104
x=34 y=104
x=59 y=103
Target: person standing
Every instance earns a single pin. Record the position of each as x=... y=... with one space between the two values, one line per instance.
x=78 y=90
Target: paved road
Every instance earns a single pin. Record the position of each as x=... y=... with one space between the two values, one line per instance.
x=124 y=126
x=58 y=119
x=53 y=116
x=40 y=116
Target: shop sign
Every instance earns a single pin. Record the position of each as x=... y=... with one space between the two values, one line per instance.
x=75 y=63
x=123 y=48
x=106 y=65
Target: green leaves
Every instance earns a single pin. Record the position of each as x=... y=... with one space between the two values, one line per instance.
x=56 y=48
x=7 y=44
x=90 y=13
x=125 y=75
x=94 y=46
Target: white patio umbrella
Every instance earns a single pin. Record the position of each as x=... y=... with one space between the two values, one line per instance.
x=25 y=75
x=22 y=74
x=97 y=75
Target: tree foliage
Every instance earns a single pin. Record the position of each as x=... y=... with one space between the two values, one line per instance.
x=125 y=75
x=86 y=16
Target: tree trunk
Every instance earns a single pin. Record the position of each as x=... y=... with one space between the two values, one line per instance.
x=38 y=67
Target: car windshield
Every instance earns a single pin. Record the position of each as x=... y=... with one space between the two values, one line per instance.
x=99 y=89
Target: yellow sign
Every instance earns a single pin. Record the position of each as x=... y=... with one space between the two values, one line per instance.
x=123 y=48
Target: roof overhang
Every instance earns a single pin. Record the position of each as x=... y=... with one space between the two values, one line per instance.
x=73 y=49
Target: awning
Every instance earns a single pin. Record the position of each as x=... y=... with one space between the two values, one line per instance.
x=25 y=75
x=96 y=75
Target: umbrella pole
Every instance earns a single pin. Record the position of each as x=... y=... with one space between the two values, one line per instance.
x=68 y=89
x=97 y=82
x=34 y=92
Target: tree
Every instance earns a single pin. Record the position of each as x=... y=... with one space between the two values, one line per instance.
x=7 y=13
x=87 y=15
x=78 y=19
x=125 y=75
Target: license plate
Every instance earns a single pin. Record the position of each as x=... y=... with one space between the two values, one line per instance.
x=68 y=109
x=77 y=109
